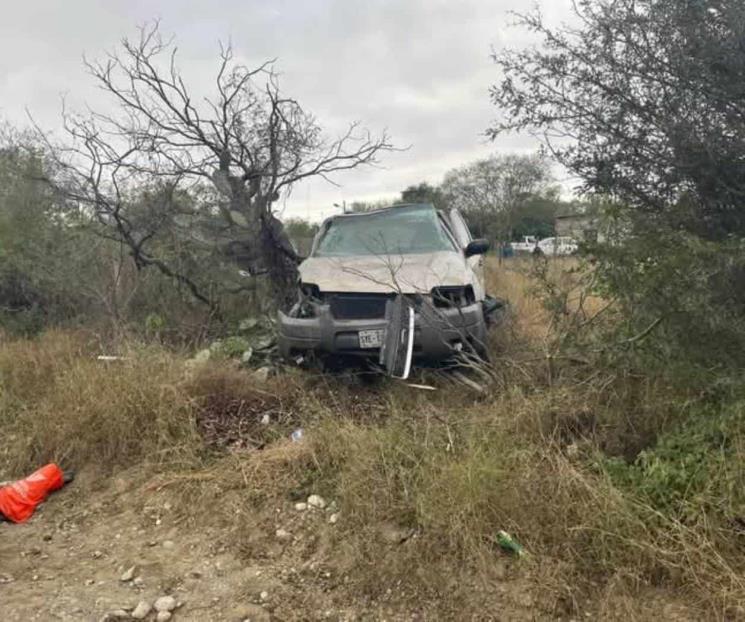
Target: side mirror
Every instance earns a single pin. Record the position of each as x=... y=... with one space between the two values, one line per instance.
x=477 y=247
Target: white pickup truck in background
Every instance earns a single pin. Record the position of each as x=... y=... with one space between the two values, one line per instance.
x=550 y=247
x=557 y=247
x=526 y=245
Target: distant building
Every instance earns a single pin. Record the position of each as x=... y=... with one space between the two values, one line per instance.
x=583 y=227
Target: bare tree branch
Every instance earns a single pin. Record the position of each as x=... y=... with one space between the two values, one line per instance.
x=247 y=142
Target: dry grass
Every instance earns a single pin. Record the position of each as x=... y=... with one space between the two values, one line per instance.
x=514 y=280
x=453 y=466
x=510 y=279
x=526 y=459
x=61 y=404
x=460 y=476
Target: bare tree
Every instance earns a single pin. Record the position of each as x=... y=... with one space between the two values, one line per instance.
x=235 y=153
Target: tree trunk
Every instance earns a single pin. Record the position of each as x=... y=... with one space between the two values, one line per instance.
x=259 y=242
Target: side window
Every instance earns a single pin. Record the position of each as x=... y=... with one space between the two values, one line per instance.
x=460 y=228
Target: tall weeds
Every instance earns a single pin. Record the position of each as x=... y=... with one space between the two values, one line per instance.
x=590 y=465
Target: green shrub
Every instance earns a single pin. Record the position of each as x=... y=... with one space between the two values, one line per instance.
x=695 y=471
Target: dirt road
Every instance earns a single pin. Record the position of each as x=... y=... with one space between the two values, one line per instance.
x=94 y=553
x=69 y=561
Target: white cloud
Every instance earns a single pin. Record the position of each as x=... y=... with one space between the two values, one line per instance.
x=420 y=68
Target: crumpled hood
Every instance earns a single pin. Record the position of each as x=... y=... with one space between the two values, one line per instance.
x=408 y=274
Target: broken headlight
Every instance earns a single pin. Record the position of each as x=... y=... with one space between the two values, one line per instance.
x=448 y=297
x=310 y=290
x=309 y=296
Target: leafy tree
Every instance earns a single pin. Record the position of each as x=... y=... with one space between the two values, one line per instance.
x=424 y=193
x=536 y=216
x=43 y=261
x=650 y=94
x=58 y=265
x=301 y=234
x=299 y=228
x=644 y=101
x=495 y=192
x=368 y=206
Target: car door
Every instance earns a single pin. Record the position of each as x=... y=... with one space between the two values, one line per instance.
x=475 y=262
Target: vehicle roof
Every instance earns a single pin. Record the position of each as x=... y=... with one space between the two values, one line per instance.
x=378 y=211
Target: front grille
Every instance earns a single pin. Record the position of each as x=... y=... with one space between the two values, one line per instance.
x=358 y=306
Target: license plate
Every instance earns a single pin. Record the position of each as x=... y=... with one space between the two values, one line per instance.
x=371 y=338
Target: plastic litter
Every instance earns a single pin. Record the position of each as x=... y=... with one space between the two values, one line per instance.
x=297 y=435
x=19 y=500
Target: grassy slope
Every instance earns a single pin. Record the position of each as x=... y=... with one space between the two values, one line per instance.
x=529 y=457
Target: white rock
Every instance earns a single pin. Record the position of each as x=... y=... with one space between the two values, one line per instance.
x=282 y=534
x=129 y=574
x=168 y=544
x=138 y=582
x=163 y=616
x=301 y=507
x=141 y=610
x=165 y=603
x=334 y=518
x=315 y=501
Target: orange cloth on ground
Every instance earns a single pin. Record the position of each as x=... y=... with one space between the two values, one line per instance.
x=19 y=499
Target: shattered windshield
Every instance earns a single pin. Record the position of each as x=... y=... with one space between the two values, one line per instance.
x=399 y=231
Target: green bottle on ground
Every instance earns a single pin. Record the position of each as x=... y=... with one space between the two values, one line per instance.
x=509 y=544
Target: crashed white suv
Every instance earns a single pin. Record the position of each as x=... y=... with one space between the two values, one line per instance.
x=366 y=269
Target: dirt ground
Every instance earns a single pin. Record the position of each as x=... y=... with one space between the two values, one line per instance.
x=69 y=561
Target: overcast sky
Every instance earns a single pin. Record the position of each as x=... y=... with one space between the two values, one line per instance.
x=418 y=68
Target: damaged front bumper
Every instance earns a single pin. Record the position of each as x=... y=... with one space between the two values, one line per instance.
x=438 y=334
